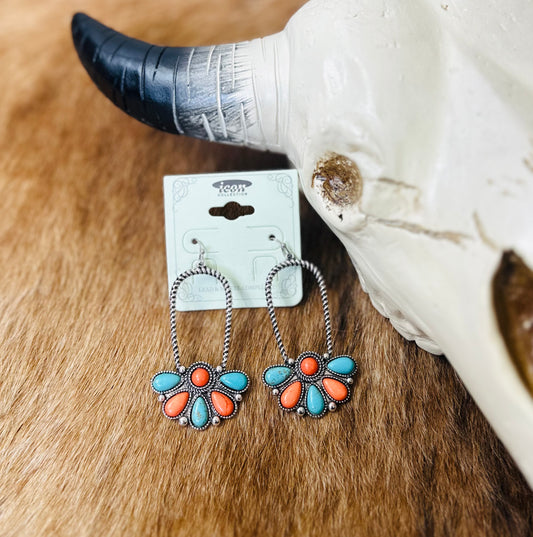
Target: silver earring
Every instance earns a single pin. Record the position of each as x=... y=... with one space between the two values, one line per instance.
x=200 y=395
x=313 y=383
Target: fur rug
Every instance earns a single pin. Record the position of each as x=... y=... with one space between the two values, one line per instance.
x=84 y=448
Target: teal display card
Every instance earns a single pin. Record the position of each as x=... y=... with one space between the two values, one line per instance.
x=233 y=215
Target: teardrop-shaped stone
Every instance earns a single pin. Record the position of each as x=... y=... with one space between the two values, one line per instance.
x=343 y=365
x=165 y=381
x=277 y=374
x=176 y=404
x=222 y=403
x=291 y=395
x=315 y=400
x=235 y=380
x=336 y=389
x=199 y=413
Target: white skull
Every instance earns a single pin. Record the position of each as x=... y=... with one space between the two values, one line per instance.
x=410 y=124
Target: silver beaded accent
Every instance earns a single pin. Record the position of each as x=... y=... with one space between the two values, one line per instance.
x=200 y=269
x=219 y=369
x=161 y=398
x=183 y=421
x=216 y=420
x=275 y=391
x=182 y=369
x=292 y=261
x=349 y=380
x=238 y=397
x=332 y=407
x=300 y=411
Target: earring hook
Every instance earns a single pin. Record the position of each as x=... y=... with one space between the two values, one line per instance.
x=201 y=253
x=284 y=248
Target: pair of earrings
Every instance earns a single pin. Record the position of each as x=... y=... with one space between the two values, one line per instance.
x=201 y=395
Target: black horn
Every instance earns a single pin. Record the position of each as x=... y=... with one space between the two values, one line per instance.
x=205 y=92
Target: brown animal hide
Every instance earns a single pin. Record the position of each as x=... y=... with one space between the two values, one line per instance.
x=84 y=448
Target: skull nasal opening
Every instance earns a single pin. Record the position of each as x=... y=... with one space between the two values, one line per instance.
x=512 y=291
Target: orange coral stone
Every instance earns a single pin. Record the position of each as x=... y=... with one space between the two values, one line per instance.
x=200 y=377
x=176 y=404
x=222 y=403
x=336 y=389
x=309 y=366
x=291 y=395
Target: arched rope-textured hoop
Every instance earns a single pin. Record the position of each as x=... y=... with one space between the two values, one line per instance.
x=200 y=269
x=294 y=262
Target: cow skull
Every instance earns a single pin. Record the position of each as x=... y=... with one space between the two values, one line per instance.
x=410 y=124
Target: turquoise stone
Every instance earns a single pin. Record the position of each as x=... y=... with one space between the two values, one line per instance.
x=199 y=413
x=276 y=375
x=315 y=401
x=343 y=365
x=163 y=382
x=234 y=380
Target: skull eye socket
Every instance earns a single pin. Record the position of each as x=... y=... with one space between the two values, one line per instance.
x=338 y=180
x=512 y=291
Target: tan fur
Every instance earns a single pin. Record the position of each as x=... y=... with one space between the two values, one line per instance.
x=84 y=448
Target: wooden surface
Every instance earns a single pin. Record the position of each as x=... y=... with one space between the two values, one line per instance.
x=84 y=449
